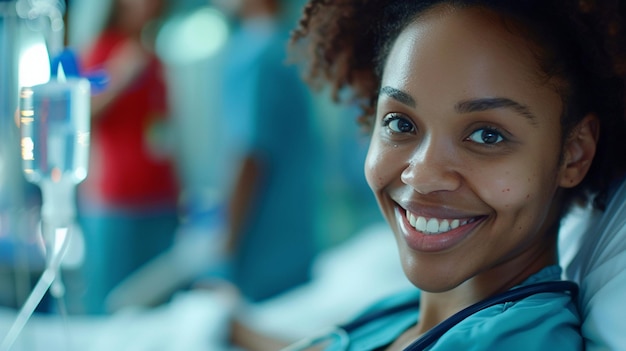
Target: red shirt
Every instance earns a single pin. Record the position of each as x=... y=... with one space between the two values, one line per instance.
x=123 y=172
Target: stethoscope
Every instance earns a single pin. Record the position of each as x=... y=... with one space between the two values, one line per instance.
x=339 y=338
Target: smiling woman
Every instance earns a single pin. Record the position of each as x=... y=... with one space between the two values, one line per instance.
x=489 y=119
x=464 y=153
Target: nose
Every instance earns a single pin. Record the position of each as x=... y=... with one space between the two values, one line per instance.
x=431 y=168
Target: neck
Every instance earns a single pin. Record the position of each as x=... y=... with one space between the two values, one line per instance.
x=437 y=307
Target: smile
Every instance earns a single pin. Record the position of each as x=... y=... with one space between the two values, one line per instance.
x=433 y=226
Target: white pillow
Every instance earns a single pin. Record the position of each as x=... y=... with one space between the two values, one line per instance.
x=592 y=247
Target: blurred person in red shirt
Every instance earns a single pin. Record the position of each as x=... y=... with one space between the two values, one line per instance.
x=128 y=203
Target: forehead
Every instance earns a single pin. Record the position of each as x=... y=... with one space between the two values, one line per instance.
x=464 y=54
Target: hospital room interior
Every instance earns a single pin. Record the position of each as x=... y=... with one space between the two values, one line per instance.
x=165 y=170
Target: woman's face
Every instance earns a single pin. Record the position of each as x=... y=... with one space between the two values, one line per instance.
x=464 y=157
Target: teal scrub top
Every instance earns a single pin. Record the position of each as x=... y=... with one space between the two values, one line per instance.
x=544 y=321
x=266 y=110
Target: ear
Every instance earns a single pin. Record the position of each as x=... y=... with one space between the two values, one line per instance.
x=579 y=150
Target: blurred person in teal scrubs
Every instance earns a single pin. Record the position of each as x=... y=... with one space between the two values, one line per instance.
x=271 y=141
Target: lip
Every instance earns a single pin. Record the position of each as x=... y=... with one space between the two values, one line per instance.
x=433 y=243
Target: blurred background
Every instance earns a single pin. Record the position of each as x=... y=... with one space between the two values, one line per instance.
x=209 y=158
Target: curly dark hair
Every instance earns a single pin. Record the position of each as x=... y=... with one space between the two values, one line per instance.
x=582 y=43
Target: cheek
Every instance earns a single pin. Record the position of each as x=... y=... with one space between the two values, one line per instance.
x=512 y=189
x=508 y=187
x=372 y=169
x=380 y=166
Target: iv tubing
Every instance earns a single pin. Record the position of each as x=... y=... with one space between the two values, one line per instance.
x=43 y=284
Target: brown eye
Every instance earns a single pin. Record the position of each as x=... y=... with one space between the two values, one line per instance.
x=489 y=136
x=398 y=124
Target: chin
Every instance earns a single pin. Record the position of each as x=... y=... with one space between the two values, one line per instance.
x=433 y=280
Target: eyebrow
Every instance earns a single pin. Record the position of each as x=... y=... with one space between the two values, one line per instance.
x=467 y=106
x=478 y=105
x=398 y=95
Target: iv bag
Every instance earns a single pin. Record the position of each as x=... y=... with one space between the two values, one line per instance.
x=54 y=126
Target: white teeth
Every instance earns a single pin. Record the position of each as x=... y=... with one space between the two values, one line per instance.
x=435 y=225
x=411 y=220
x=455 y=224
x=444 y=226
x=432 y=226
x=420 y=224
